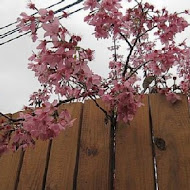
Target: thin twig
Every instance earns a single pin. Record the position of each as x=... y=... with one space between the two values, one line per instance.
x=102 y=109
x=10 y=119
x=129 y=55
x=115 y=51
x=125 y=38
x=137 y=68
x=65 y=101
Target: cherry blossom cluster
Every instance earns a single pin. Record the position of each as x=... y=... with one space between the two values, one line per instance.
x=61 y=66
x=151 y=38
x=42 y=123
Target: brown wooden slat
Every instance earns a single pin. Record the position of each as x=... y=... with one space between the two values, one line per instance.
x=9 y=167
x=133 y=159
x=171 y=123
x=61 y=170
x=33 y=167
x=94 y=164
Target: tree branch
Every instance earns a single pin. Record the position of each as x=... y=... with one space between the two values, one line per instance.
x=102 y=109
x=147 y=31
x=65 y=101
x=115 y=51
x=133 y=46
x=10 y=119
x=129 y=55
x=125 y=38
x=137 y=68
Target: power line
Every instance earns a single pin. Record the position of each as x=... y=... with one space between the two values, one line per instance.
x=69 y=6
x=57 y=11
x=32 y=14
x=17 y=28
x=21 y=35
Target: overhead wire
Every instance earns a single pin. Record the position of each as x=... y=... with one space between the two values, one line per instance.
x=69 y=6
x=17 y=28
x=19 y=36
x=57 y=11
x=6 y=26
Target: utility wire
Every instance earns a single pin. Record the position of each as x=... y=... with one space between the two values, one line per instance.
x=17 y=29
x=10 y=32
x=69 y=6
x=60 y=17
x=57 y=11
x=32 y=14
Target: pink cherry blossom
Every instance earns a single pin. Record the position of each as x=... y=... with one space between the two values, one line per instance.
x=172 y=97
x=90 y=4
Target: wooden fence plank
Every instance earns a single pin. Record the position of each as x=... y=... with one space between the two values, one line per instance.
x=133 y=160
x=172 y=124
x=33 y=167
x=94 y=163
x=9 y=167
x=61 y=170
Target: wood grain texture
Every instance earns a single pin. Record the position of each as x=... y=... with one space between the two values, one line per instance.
x=9 y=170
x=171 y=123
x=63 y=157
x=133 y=159
x=10 y=164
x=33 y=167
x=94 y=163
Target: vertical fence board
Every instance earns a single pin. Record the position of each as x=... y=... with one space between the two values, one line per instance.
x=133 y=160
x=94 y=164
x=33 y=167
x=9 y=167
x=171 y=123
x=61 y=170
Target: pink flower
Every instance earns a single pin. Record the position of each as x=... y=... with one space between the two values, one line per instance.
x=90 y=4
x=31 y=6
x=42 y=12
x=51 y=29
x=172 y=97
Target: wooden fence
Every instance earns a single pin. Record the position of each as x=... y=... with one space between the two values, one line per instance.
x=152 y=152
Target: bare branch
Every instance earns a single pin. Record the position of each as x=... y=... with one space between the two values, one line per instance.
x=125 y=38
x=115 y=51
x=137 y=68
x=129 y=55
x=65 y=101
x=147 y=31
x=10 y=119
x=102 y=109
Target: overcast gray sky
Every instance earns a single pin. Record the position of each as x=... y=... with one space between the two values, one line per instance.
x=16 y=81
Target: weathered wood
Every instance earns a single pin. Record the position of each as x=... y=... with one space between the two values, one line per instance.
x=9 y=170
x=90 y=168
x=10 y=166
x=63 y=157
x=133 y=159
x=94 y=163
x=34 y=167
x=172 y=124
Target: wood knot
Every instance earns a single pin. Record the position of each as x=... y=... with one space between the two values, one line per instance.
x=160 y=143
x=91 y=151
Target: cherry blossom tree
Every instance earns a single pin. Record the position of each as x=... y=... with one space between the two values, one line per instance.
x=61 y=66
